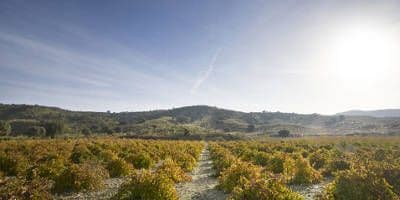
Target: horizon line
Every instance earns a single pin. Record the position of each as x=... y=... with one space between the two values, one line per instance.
x=194 y=105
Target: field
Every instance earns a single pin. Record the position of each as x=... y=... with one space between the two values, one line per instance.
x=49 y=168
x=113 y=168
x=355 y=167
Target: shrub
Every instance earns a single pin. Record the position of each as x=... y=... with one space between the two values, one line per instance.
x=185 y=161
x=236 y=174
x=15 y=188
x=140 y=160
x=49 y=167
x=8 y=165
x=339 y=165
x=146 y=185
x=95 y=148
x=170 y=169
x=360 y=184
x=118 y=168
x=263 y=189
x=305 y=154
x=107 y=156
x=261 y=158
x=317 y=159
x=304 y=173
x=223 y=163
x=13 y=165
x=289 y=168
x=289 y=149
x=193 y=151
x=334 y=166
x=80 y=153
x=248 y=155
x=75 y=178
x=276 y=163
x=380 y=155
x=391 y=174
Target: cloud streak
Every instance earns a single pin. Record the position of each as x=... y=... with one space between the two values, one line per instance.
x=33 y=67
x=200 y=80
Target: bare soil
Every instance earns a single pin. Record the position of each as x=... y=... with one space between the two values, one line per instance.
x=110 y=189
x=310 y=192
x=202 y=186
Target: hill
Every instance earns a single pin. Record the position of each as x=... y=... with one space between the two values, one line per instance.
x=32 y=119
x=373 y=113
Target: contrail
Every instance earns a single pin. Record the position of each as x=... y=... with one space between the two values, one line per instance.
x=207 y=73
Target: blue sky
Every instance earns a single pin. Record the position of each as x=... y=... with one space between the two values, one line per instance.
x=243 y=55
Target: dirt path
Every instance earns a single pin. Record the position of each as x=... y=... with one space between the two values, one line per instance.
x=202 y=186
x=111 y=188
x=309 y=192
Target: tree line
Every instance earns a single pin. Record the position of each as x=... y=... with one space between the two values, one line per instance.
x=32 y=128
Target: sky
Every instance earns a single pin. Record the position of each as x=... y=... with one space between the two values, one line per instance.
x=289 y=56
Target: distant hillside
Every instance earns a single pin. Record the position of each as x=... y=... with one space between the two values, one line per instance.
x=373 y=113
x=33 y=119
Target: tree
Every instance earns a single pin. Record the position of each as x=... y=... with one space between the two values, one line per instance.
x=182 y=119
x=36 y=131
x=186 y=132
x=107 y=130
x=5 y=128
x=54 y=128
x=86 y=132
x=118 y=129
x=284 y=133
x=251 y=128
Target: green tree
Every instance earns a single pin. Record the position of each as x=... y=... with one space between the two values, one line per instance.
x=54 y=128
x=251 y=128
x=86 y=132
x=182 y=119
x=118 y=129
x=36 y=131
x=5 y=128
x=186 y=132
x=284 y=133
x=107 y=130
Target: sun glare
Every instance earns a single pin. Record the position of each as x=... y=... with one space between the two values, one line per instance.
x=361 y=54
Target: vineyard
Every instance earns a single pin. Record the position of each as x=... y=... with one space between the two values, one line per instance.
x=46 y=169
x=360 y=168
x=352 y=167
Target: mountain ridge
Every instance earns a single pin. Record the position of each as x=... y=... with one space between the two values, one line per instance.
x=193 y=119
x=381 y=113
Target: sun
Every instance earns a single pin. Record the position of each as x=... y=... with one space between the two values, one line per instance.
x=361 y=54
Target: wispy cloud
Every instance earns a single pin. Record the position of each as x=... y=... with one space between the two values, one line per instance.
x=50 y=69
x=204 y=76
x=72 y=64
